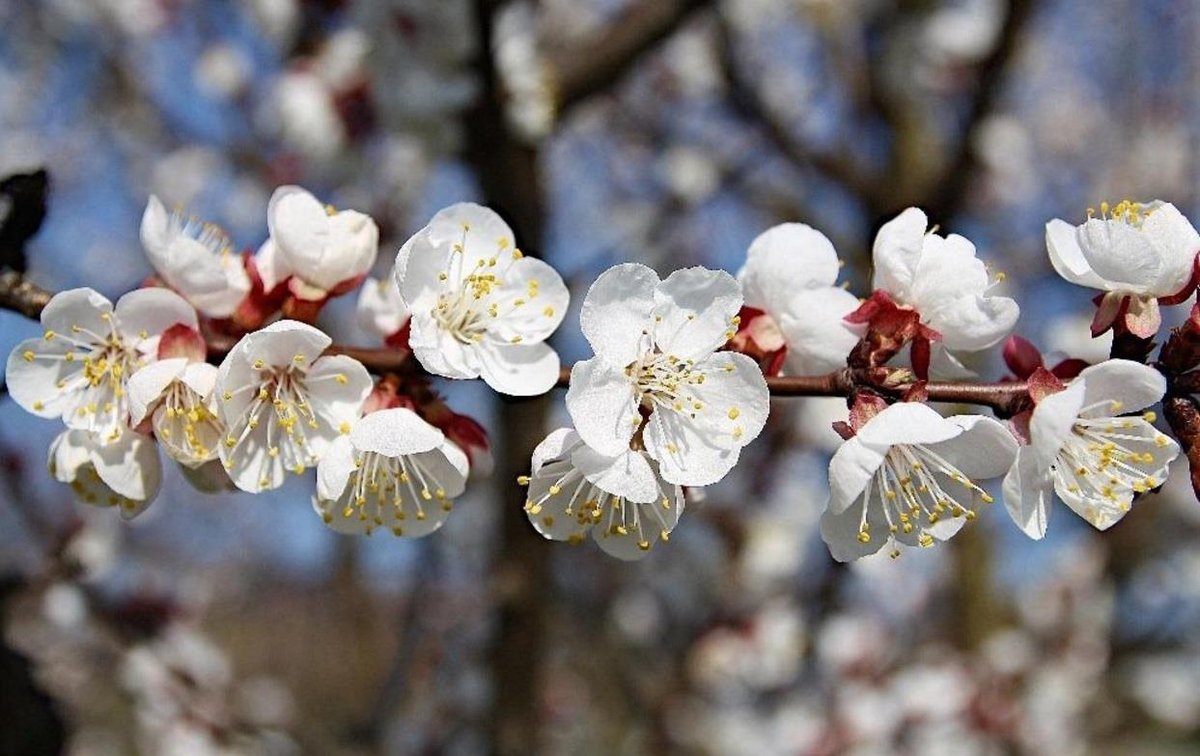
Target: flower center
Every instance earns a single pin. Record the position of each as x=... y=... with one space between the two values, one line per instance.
x=1126 y=211
x=663 y=380
x=1106 y=463
x=910 y=490
x=188 y=426
x=378 y=487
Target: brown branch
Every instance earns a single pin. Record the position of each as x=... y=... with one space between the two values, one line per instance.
x=1006 y=398
x=747 y=100
x=583 y=70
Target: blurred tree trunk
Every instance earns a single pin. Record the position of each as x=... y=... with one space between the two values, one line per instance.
x=508 y=172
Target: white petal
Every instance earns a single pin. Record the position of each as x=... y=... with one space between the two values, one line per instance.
x=381 y=311
x=1052 y=421
x=850 y=472
x=733 y=400
x=200 y=377
x=146 y=386
x=785 y=260
x=209 y=477
x=697 y=306
x=617 y=311
x=272 y=265
x=82 y=307
x=986 y=449
x=555 y=446
x=153 y=311
x=1134 y=385
x=299 y=226
x=603 y=406
x=419 y=267
x=33 y=384
x=69 y=451
x=481 y=232
x=335 y=402
x=282 y=342
x=1120 y=253
x=155 y=224
x=627 y=475
x=545 y=300
x=897 y=251
x=817 y=337
x=439 y=352
x=974 y=321
x=130 y=467
x=1176 y=241
x=395 y=433
x=448 y=465
x=1066 y=256
x=684 y=455
x=1027 y=495
x=840 y=533
x=518 y=369
x=334 y=469
x=946 y=270
x=907 y=423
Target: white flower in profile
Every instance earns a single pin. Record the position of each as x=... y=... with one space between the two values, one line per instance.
x=123 y=473
x=1081 y=448
x=283 y=404
x=79 y=367
x=394 y=471
x=381 y=310
x=656 y=353
x=1138 y=254
x=909 y=476
x=789 y=274
x=621 y=499
x=478 y=306
x=319 y=251
x=942 y=279
x=195 y=259
x=177 y=395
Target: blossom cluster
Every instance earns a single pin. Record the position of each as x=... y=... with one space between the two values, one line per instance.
x=677 y=387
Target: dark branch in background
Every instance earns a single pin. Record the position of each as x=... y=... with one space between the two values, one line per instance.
x=21 y=296
x=747 y=100
x=585 y=69
x=952 y=192
x=22 y=210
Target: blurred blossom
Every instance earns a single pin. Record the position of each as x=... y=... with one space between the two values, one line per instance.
x=963 y=31
x=278 y=19
x=305 y=117
x=1069 y=336
x=223 y=71
x=525 y=76
x=690 y=174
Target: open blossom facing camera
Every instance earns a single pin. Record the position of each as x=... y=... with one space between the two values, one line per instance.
x=177 y=396
x=656 y=353
x=789 y=275
x=1138 y=254
x=478 y=306
x=318 y=251
x=283 y=404
x=1084 y=450
x=80 y=366
x=941 y=278
x=394 y=471
x=195 y=259
x=621 y=499
x=909 y=476
x=124 y=473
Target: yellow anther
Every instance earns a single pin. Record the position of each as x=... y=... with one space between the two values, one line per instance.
x=734 y=413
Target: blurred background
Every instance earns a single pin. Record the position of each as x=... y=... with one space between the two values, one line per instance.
x=669 y=132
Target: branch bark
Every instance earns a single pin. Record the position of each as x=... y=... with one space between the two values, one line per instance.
x=582 y=71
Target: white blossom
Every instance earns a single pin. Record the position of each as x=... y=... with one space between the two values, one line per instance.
x=283 y=404
x=909 y=476
x=195 y=259
x=1136 y=253
x=942 y=279
x=318 y=250
x=123 y=473
x=621 y=499
x=393 y=470
x=381 y=310
x=478 y=306
x=655 y=344
x=789 y=273
x=1081 y=448
x=78 y=368
x=177 y=395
